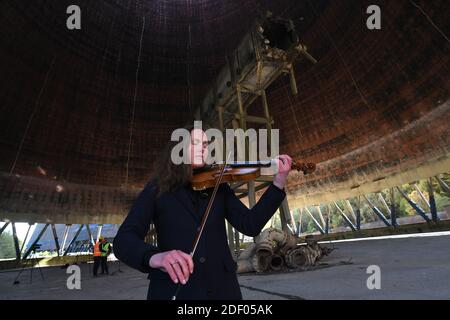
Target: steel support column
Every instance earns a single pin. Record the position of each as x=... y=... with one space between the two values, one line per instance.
x=422 y=196
x=346 y=219
x=299 y=225
x=294 y=227
x=251 y=193
x=73 y=240
x=350 y=209
x=320 y=215
x=251 y=198
x=91 y=239
x=358 y=214
x=237 y=245
x=26 y=237
x=432 y=202
x=99 y=232
x=384 y=203
x=4 y=227
x=377 y=211
x=318 y=226
x=329 y=220
x=393 y=209
x=66 y=233
x=16 y=241
x=284 y=215
x=241 y=109
x=268 y=118
x=443 y=185
x=414 y=206
x=27 y=253
x=55 y=237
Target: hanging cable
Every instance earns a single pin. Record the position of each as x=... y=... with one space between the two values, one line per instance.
x=30 y=119
x=347 y=69
x=292 y=110
x=134 y=102
x=188 y=71
x=429 y=19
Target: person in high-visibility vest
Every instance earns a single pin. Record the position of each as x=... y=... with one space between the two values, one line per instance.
x=105 y=248
x=97 y=255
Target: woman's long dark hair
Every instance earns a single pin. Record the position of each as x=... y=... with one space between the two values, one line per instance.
x=169 y=176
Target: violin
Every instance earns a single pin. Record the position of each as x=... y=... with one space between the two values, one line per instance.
x=239 y=172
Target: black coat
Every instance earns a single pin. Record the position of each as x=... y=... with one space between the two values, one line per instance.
x=176 y=223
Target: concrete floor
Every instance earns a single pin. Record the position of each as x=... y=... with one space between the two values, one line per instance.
x=411 y=268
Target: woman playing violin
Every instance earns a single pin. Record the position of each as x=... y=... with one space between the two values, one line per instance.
x=176 y=209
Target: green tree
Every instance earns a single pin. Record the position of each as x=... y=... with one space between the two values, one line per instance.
x=7 y=250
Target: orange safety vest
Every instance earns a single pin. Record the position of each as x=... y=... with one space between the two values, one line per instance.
x=97 y=252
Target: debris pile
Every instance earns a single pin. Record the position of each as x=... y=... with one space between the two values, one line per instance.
x=275 y=250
